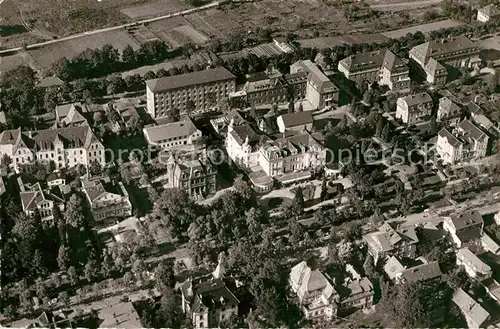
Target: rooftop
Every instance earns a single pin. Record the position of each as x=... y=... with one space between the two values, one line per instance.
x=469 y=307
x=490 y=10
x=444 y=46
x=170 y=130
x=422 y=272
x=190 y=79
x=416 y=99
x=473 y=260
x=297 y=119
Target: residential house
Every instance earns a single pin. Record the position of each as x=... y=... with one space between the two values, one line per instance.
x=70 y=115
x=492 y=287
x=489 y=244
x=220 y=124
x=38 y=201
x=448 y=111
x=456 y=51
x=411 y=271
x=52 y=81
x=65 y=147
x=488 y=13
x=301 y=152
x=390 y=241
x=356 y=292
x=465 y=143
x=191 y=92
x=193 y=174
x=127 y=110
x=381 y=66
x=414 y=108
x=474 y=313
x=107 y=199
x=435 y=72
x=243 y=143
x=208 y=301
x=298 y=121
x=182 y=134
x=320 y=91
x=317 y=297
x=465 y=229
x=477 y=115
x=55 y=179
x=474 y=267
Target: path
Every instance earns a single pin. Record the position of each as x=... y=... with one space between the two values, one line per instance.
x=405 y=5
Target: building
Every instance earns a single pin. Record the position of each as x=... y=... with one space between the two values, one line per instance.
x=356 y=292
x=414 y=108
x=174 y=135
x=127 y=109
x=448 y=111
x=474 y=267
x=298 y=121
x=208 y=301
x=477 y=115
x=38 y=201
x=474 y=313
x=243 y=144
x=489 y=244
x=320 y=91
x=65 y=147
x=107 y=199
x=392 y=241
x=70 y=115
x=317 y=297
x=273 y=88
x=381 y=66
x=301 y=152
x=487 y=13
x=492 y=287
x=465 y=143
x=191 y=92
x=465 y=229
x=409 y=270
x=193 y=174
x=435 y=73
x=456 y=52
x=55 y=179
x=220 y=124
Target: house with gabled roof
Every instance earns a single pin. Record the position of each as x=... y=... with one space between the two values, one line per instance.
x=465 y=229
x=436 y=73
x=389 y=241
x=179 y=135
x=489 y=244
x=356 y=291
x=488 y=13
x=317 y=297
x=38 y=201
x=298 y=121
x=474 y=266
x=448 y=111
x=474 y=313
x=107 y=199
x=70 y=115
x=414 y=108
x=243 y=142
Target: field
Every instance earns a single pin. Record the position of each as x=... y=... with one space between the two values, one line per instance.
x=45 y=56
x=11 y=62
x=329 y=42
x=424 y=28
x=156 y=8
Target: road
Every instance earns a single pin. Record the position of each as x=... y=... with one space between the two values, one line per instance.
x=405 y=5
x=112 y=28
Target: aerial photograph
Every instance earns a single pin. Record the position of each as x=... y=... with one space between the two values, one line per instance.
x=249 y=164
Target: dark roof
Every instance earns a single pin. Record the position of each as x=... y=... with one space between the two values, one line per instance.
x=467 y=220
x=213 y=295
x=297 y=119
x=491 y=10
x=422 y=272
x=472 y=131
x=416 y=99
x=452 y=140
x=190 y=79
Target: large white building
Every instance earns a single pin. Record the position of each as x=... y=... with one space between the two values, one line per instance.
x=466 y=142
x=65 y=147
x=474 y=267
x=414 y=108
x=487 y=13
x=173 y=135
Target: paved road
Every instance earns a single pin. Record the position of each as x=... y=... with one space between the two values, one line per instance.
x=87 y=33
x=405 y=5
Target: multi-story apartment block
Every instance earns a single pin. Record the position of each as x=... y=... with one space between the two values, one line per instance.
x=320 y=91
x=381 y=66
x=197 y=91
x=466 y=142
x=194 y=174
x=487 y=13
x=318 y=299
x=435 y=72
x=38 y=201
x=389 y=241
x=70 y=115
x=107 y=199
x=274 y=88
x=465 y=229
x=474 y=267
x=448 y=111
x=65 y=147
x=414 y=108
x=456 y=52
x=301 y=152
x=180 y=134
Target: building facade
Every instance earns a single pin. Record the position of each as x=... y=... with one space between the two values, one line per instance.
x=106 y=199
x=488 y=13
x=414 y=108
x=191 y=92
x=448 y=111
x=465 y=229
x=436 y=74
x=65 y=147
x=466 y=142
x=474 y=267
x=298 y=122
x=381 y=66
x=37 y=201
x=173 y=135
x=390 y=241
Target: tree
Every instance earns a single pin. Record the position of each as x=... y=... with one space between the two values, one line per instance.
x=95 y=169
x=22 y=77
x=190 y=106
x=170 y=313
x=73 y=276
x=63 y=258
x=298 y=201
x=244 y=189
x=39 y=268
x=63 y=298
x=301 y=107
x=90 y=271
x=128 y=56
x=74 y=214
x=380 y=127
x=138 y=268
x=369 y=266
x=291 y=106
x=324 y=190
x=165 y=277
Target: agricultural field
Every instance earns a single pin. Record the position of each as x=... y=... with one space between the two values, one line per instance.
x=155 y=8
x=20 y=59
x=424 y=28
